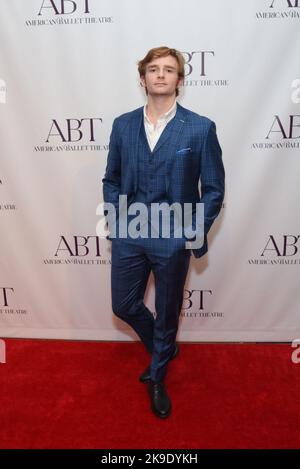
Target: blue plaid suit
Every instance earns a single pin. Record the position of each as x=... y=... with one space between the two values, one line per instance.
x=189 y=150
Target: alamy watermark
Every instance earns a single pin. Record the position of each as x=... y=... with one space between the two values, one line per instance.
x=295 y=357
x=2 y=91
x=156 y=220
x=2 y=351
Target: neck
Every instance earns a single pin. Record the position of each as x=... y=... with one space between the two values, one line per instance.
x=158 y=105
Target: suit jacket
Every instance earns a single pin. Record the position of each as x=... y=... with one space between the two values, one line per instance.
x=193 y=153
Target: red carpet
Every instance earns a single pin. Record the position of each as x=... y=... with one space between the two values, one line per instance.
x=65 y=394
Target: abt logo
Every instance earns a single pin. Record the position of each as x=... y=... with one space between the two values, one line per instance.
x=295 y=357
x=197 y=59
x=288 y=3
x=196 y=298
x=4 y=294
x=286 y=246
x=286 y=128
x=79 y=246
x=73 y=129
x=64 y=7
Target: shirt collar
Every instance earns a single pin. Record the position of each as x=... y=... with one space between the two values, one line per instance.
x=166 y=116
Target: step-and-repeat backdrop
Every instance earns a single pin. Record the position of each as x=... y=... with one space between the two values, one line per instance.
x=67 y=69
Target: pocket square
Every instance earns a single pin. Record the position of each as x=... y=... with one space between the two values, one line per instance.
x=184 y=150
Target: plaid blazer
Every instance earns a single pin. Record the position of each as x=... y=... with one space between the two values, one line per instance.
x=193 y=155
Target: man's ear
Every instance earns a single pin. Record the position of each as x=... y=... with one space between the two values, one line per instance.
x=180 y=82
x=142 y=81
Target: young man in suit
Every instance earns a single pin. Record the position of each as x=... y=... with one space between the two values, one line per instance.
x=157 y=154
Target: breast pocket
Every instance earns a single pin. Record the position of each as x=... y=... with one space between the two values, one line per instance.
x=184 y=151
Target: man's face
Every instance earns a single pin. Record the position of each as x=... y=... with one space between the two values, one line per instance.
x=161 y=77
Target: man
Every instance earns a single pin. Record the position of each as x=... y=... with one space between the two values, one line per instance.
x=157 y=154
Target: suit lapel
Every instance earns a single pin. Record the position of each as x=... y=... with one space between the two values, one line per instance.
x=171 y=131
x=170 y=136
x=175 y=135
x=134 y=141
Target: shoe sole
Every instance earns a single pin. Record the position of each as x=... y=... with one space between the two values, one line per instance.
x=161 y=416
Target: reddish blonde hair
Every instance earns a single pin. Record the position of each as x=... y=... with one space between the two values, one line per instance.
x=158 y=52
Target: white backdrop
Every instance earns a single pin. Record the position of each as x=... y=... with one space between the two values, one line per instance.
x=67 y=68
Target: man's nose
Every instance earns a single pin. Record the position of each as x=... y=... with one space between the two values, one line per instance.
x=161 y=72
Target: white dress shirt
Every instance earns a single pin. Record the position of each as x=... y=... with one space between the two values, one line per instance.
x=154 y=132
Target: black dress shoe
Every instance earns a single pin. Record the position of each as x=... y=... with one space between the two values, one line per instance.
x=160 y=401
x=145 y=376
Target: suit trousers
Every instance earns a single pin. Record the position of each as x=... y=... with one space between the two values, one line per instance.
x=132 y=261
